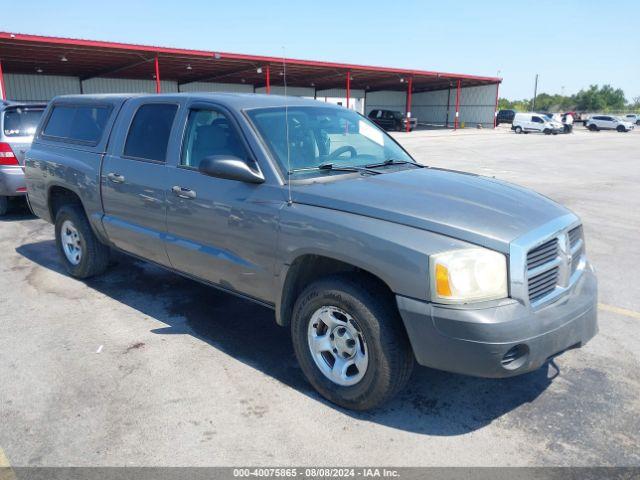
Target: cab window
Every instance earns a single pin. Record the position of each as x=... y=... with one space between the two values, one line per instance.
x=537 y=120
x=148 y=135
x=209 y=133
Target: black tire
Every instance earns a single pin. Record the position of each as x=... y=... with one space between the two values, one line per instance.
x=95 y=255
x=390 y=356
x=546 y=131
x=518 y=130
x=621 y=128
x=593 y=128
x=4 y=205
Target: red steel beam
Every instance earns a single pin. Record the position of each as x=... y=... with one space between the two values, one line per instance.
x=157 y=66
x=3 y=93
x=495 y=110
x=348 y=87
x=408 y=108
x=457 y=119
x=267 y=75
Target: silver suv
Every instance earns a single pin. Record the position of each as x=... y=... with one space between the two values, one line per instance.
x=18 y=122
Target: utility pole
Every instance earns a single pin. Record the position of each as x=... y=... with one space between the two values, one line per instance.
x=535 y=93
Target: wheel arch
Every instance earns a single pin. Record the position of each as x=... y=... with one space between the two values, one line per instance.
x=308 y=267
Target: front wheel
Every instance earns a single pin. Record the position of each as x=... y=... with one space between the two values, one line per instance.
x=621 y=128
x=350 y=342
x=4 y=205
x=547 y=131
x=81 y=252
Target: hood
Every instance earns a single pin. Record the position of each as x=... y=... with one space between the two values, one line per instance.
x=476 y=209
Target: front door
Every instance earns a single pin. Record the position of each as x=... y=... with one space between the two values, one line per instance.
x=134 y=176
x=223 y=231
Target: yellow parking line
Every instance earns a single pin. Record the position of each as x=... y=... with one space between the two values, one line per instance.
x=6 y=473
x=4 y=461
x=619 y=311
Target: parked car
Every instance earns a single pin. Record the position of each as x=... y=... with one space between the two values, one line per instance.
x=392 y=120
x=608 y=122
x=18 y=122
x=505 y=116
x=536 y=122
x=369 y=258
x=633 y=118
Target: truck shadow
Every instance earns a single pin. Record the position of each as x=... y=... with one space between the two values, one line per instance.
x=435 y=403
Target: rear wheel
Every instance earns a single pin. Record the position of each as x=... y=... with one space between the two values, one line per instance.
x=4 y=205
x=593 y=128
x=518 y=130
x=350 y=342
x=81 y=252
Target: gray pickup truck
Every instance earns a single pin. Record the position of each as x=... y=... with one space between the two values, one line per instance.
x=372 y=260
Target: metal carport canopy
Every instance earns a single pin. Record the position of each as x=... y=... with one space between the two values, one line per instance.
x=34 y=54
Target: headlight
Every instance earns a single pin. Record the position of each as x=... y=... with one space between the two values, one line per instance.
x=468 y=275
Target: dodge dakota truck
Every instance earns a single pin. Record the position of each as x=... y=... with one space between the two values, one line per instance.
x=372 y=260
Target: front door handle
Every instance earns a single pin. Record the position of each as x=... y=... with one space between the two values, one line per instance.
x=115 y=177
x=183 y=192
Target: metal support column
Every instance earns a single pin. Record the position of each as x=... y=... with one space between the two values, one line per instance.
x=457 y=119
x=408 y=106
x=157 y=67
x=495 y=110
x=267 y=78
x=3 y=92
x=348 y=87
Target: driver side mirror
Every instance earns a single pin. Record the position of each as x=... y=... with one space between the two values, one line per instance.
x=230 y=168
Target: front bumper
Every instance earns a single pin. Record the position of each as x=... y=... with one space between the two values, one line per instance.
x=474 y=341
x=12 y=182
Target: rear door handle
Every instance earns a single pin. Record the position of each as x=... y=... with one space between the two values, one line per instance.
x=115 y=177
x=183 y=192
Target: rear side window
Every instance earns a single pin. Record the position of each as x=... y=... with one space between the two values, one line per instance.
x=21 y=121
x=148 y=135
x=77 y=123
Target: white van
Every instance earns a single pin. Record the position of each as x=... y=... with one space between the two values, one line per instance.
x=535 y=122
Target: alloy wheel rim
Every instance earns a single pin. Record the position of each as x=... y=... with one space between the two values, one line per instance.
x=71 y=242
x=337 y=346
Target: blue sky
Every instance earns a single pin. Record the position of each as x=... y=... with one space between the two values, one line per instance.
x=570 y=43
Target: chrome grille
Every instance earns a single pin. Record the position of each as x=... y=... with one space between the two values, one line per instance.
x=576 y=242
x=542 y=254
x=575 y=235
x=543 y=283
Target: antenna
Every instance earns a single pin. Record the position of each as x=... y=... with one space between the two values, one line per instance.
x=286 y=121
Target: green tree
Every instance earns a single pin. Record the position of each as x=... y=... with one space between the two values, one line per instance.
x=600 y=99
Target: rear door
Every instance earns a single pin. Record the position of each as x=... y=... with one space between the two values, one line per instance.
x=134 y=176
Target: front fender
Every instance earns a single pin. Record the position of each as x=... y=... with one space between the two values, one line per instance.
x=397 y=254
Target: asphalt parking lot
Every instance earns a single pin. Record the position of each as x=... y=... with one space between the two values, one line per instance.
x=142 y=367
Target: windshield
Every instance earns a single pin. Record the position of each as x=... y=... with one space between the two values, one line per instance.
x=21 y=121
x=320 y=135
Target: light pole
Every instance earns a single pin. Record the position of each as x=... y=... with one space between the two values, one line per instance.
x=535 y=93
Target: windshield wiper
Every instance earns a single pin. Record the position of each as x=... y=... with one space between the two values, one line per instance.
x=337 y=168
x=393 y=161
